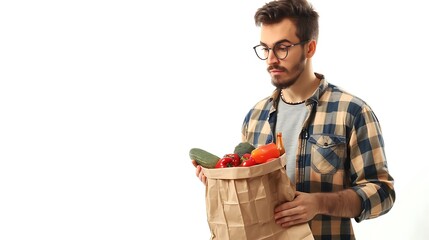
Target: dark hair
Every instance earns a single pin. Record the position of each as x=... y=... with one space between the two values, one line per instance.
x=299 y=11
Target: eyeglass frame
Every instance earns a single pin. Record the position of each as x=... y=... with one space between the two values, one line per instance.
x=276 y=44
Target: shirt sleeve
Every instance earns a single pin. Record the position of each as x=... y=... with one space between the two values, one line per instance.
x=244 y=128
x=369 y=172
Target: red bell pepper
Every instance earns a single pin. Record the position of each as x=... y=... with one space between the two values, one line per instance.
x=224 y=162
x=236 y=160
x=265 y=152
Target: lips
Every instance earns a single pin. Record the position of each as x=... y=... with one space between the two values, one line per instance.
x=276 y=70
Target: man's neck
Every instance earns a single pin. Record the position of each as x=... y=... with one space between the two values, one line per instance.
x=302 y=89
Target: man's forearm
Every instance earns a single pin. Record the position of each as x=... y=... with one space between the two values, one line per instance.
x=346 y=203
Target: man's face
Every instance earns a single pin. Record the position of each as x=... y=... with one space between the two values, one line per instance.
x=284 y=73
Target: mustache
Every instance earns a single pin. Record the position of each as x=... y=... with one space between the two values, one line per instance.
x=277 y=68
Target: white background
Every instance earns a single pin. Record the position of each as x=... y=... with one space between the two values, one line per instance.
x=100 y=102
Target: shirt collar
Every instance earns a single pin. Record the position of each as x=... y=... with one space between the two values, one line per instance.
x=275 y=97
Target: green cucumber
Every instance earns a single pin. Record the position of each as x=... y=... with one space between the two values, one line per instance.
x=203 y=158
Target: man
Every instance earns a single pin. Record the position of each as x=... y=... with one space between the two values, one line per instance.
x=333 y=140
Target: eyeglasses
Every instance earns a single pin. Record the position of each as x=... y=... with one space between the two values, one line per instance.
x=280 y=50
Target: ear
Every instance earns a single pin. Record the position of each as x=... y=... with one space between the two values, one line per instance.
x=311 y=49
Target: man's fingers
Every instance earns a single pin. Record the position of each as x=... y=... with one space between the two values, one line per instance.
x=194 y=163
x=291 y=220
x=284 y=206
x=201 y=175
x=198 y=171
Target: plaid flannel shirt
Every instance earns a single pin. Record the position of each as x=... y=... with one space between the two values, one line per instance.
x=340 y=146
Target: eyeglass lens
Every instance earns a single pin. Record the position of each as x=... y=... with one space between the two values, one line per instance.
x=280 y=50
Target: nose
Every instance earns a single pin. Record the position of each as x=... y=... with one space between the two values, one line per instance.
x=272 y=59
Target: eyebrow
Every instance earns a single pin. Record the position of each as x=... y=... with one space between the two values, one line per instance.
x=280 y=41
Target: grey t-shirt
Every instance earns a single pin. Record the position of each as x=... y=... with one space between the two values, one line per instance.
x=290 y=118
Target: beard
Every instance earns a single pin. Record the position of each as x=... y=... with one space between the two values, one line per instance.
x=293 y=74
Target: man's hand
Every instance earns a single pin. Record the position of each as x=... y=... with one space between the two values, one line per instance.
x=199 y=172
x=305 y=206
x=300 y=210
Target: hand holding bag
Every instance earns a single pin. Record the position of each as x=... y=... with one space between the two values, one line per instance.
x=240 y=202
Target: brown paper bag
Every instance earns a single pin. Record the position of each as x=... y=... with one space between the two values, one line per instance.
x=240 y=202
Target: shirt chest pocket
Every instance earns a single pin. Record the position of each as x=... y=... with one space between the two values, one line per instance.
x=327 y=152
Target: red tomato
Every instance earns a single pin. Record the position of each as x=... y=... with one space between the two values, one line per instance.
x=248 y=163
x=245 y=157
